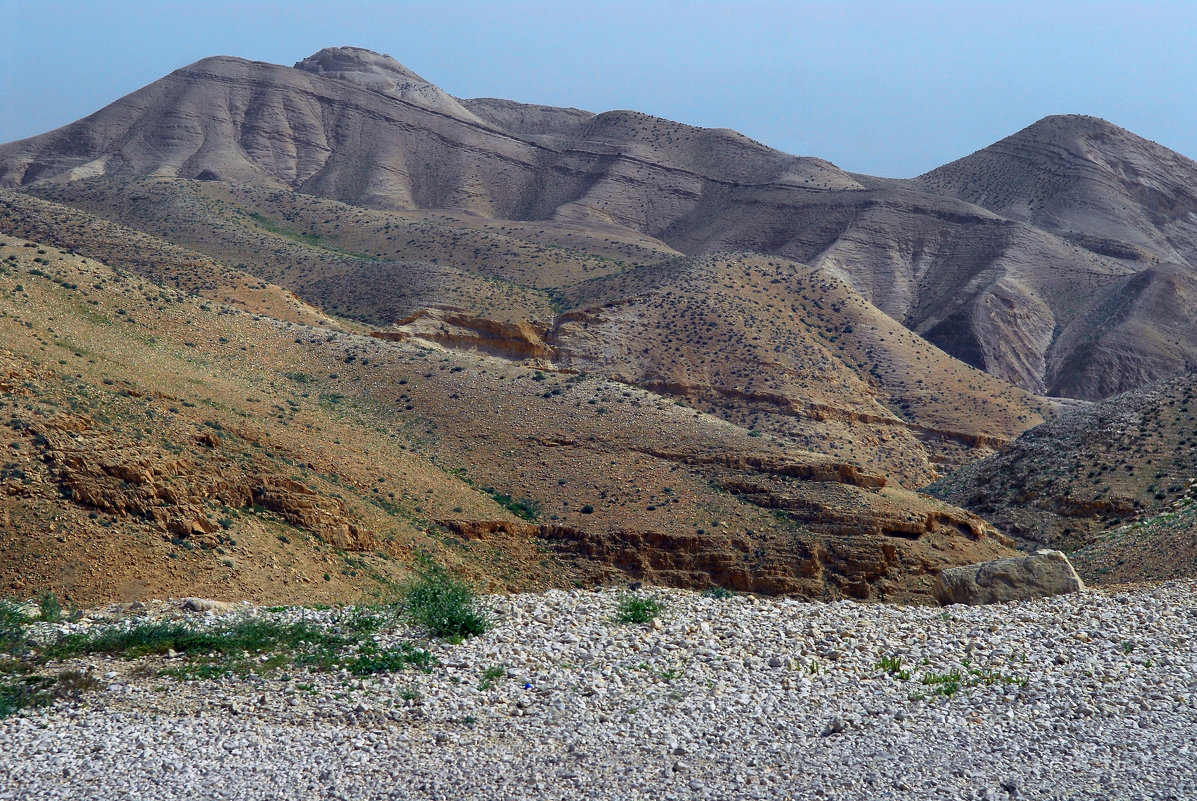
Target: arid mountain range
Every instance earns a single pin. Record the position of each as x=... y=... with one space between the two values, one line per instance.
x=740 y=363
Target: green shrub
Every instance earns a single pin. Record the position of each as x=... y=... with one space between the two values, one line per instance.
x=491 y=675
x=718 y=593
x=12 y=628
x=445 y=605
x=637 y=609
x=371 y=659
x=49 y=607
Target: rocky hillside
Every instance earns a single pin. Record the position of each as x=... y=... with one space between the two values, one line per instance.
x=273 y=331
x=1092 y=182
x=1058 y=259
x=762 y=342
x=1082 y=476
x=160 y=443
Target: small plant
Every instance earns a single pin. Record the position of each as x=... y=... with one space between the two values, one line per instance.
x=718 y=593
x=445 y=605
x=365 y=619
x=49 y=607
x=20 y=689
x=946 y=684
x=1127 y=646
x=371 y=659
x=12 y=628
x=893 y=666
x=637 y=609
x=491 y=675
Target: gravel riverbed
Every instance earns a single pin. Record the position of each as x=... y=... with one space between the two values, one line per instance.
x=1086 y=696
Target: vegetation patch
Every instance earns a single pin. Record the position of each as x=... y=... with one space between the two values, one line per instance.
x=637 y=609
x=521 y=507
x=445 y=605
x=239 y=647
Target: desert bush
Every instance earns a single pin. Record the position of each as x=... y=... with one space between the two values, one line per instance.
x=442 y=603
x=637 y=609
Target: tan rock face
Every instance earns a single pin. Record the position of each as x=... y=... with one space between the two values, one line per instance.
x=182 y=492
x=1041 y=575
x=463 y=331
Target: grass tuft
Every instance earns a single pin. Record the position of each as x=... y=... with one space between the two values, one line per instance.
x=49 y=608
x=893 y=666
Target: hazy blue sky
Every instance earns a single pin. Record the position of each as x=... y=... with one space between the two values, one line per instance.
x=888 y=88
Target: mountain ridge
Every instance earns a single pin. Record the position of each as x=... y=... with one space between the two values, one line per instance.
x=942 y=254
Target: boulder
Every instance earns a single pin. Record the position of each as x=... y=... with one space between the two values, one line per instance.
x=207 y=605
x=1020 y=578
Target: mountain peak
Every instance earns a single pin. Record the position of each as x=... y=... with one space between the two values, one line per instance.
x=381 y=73
x=361 y=66
x=1074 y=125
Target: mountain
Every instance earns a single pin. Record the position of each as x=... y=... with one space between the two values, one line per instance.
x=1010 y=259
x=553 y=347
x=1087 y=180
x=354 y=126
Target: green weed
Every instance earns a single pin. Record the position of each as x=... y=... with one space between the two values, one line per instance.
x=445 y=605
x=637 y=609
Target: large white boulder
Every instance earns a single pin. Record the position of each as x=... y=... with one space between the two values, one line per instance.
x=1020 y=578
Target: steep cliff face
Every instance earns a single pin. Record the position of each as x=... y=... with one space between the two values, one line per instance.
x=862 y=556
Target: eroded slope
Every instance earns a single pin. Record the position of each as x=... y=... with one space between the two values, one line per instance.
x=163 y=444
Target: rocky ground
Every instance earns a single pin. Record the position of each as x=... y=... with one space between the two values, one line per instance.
x=1082 y=696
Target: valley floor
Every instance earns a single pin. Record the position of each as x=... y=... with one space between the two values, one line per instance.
x=1085 y=696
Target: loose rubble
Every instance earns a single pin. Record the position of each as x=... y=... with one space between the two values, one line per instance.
x=1082 y=696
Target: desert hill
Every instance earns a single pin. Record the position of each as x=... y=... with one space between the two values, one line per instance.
x=266 y=322
x=1096 y=473
x=773 y=348
x=1009 y=260
x=786 y=348
x=1081 y=177
x=160 y=443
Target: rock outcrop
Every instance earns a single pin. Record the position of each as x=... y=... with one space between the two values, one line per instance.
x=182 y=491
x=460 y=330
